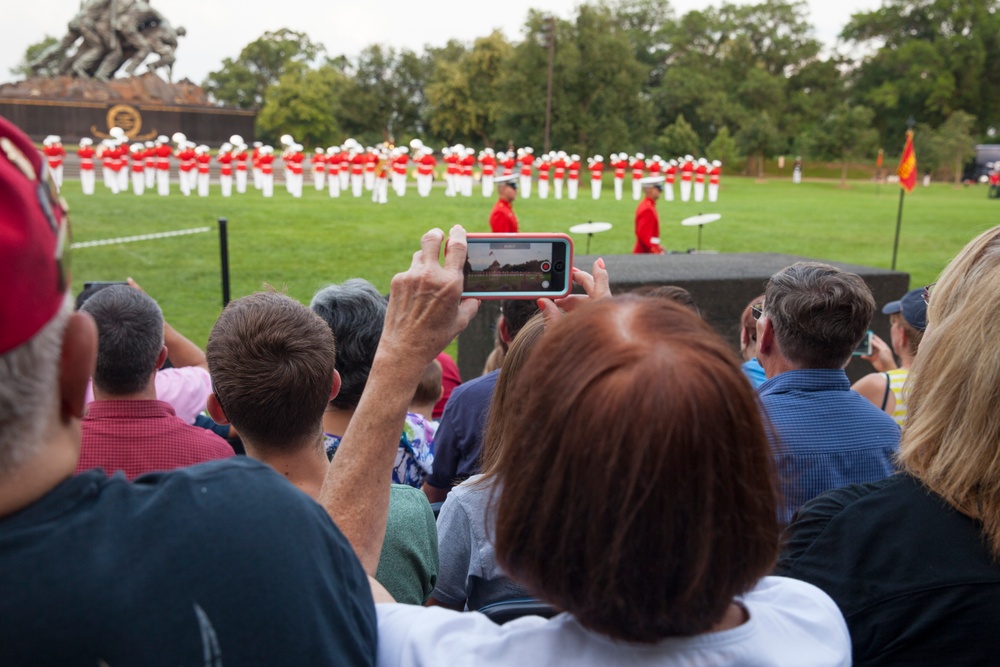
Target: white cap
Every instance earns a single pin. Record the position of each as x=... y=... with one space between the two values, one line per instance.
x=403 y=150
x=416 y=144
x=688 y=158
x=716 y=163
x=225 y=148
x=163 y=139
x=574 y=157
x=287 y=140
x=510 y=179
x=86 y=141
x=673 y=161
x=529 y=150
x=656 y=158
x=702 y=161
x=149 y=144
x=236 y=140
x=177 y=138
x=136 y=147
x=119 y=133
x=650 y=181
x=640 y=156
x=320 y=150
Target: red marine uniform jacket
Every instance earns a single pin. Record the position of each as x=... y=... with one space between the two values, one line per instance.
x=699 y=173
x=638 y=168
x=671 y=174
x=574 y=170
x=204 y=163
x=508 y=166
x=560 y=169
x=489 y=164
x=647 y=228
x=713 y=175
x=686 y=168
x=86 y=155
x=543 y=169
x=620 y=166
x=502 y=218
x=226 y=160
x=426 y=165
x=318 y=161
x=595 y=170
x=163 y=157
x=526 y=163
x=333 y=164
x=54 y=154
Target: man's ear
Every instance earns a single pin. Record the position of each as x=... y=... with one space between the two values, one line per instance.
x=215 y=410
x=765 y=336
x=76 y=364
x=162 y=357
x=336 y=385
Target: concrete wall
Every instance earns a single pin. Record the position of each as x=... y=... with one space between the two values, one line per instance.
x=722 y=285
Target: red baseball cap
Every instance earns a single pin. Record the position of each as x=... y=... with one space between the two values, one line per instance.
x=34 y=240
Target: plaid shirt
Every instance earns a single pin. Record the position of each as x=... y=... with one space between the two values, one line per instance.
x=143 y=436
x=827 y=435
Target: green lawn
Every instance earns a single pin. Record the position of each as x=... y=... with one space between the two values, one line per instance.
x=300 y=245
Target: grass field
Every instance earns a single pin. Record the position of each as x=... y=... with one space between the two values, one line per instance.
x=300 y=245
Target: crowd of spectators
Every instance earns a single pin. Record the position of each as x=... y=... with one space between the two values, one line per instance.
x=661 y=497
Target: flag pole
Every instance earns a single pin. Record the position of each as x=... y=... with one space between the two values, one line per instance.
x=899 y=225
x=907 y=172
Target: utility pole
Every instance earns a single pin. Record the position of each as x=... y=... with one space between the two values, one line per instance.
x=548 y=95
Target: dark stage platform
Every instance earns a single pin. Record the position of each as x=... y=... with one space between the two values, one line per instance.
x=722 y=285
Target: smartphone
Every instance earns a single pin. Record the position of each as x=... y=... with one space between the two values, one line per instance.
x=518 y=266
x=98 y=284
x=864 y=348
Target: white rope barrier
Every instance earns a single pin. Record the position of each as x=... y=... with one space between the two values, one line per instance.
x=141 y=237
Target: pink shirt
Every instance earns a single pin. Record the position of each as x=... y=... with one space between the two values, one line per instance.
x=185 y=389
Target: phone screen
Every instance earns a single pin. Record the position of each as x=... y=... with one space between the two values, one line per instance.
x=516 y=267
x=864 y=348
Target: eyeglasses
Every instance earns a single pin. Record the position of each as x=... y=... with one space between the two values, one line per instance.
x=757 y=310
x=927 y=293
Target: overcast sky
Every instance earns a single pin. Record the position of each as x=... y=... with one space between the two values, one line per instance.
x=220 y=28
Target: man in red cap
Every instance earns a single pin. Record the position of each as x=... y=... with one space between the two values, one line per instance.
x=647 y=221
x=98 y=570
x=502 y=218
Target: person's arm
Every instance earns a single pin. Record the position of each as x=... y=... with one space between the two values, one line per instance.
x=181 y=351
x=881 y=357
x=425 y=313
x=875 y=387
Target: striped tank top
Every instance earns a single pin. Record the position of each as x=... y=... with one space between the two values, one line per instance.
x=896 y=380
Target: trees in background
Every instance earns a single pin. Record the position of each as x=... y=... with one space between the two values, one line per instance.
x=730 y=80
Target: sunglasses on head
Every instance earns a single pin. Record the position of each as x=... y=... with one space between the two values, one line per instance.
x=757 y=310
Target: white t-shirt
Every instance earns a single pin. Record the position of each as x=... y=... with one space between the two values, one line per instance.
x=790 y=623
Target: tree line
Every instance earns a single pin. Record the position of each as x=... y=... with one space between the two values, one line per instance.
x=735 y=82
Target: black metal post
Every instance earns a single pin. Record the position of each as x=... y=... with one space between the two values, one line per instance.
x=899 y=224
x=224 y=252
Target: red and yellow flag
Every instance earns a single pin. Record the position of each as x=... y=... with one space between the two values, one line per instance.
x=907 y=170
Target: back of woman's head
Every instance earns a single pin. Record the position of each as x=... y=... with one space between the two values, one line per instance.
x=508 y=394
x=952 y=433
x=355 y=312
x=637 y=482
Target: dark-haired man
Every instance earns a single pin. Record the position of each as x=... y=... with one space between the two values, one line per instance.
x=126 y=427
x=826 y=436
x=272 y=363
x=220 y=563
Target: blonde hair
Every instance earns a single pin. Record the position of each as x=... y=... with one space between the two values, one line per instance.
x=951 y=441
x=507 y=396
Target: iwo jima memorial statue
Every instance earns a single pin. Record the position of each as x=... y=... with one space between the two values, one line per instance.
x=87 y=83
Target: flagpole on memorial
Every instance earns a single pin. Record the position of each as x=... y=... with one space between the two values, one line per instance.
x=907 y=172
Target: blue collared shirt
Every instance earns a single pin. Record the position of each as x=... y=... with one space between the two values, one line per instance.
x=826 y=436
